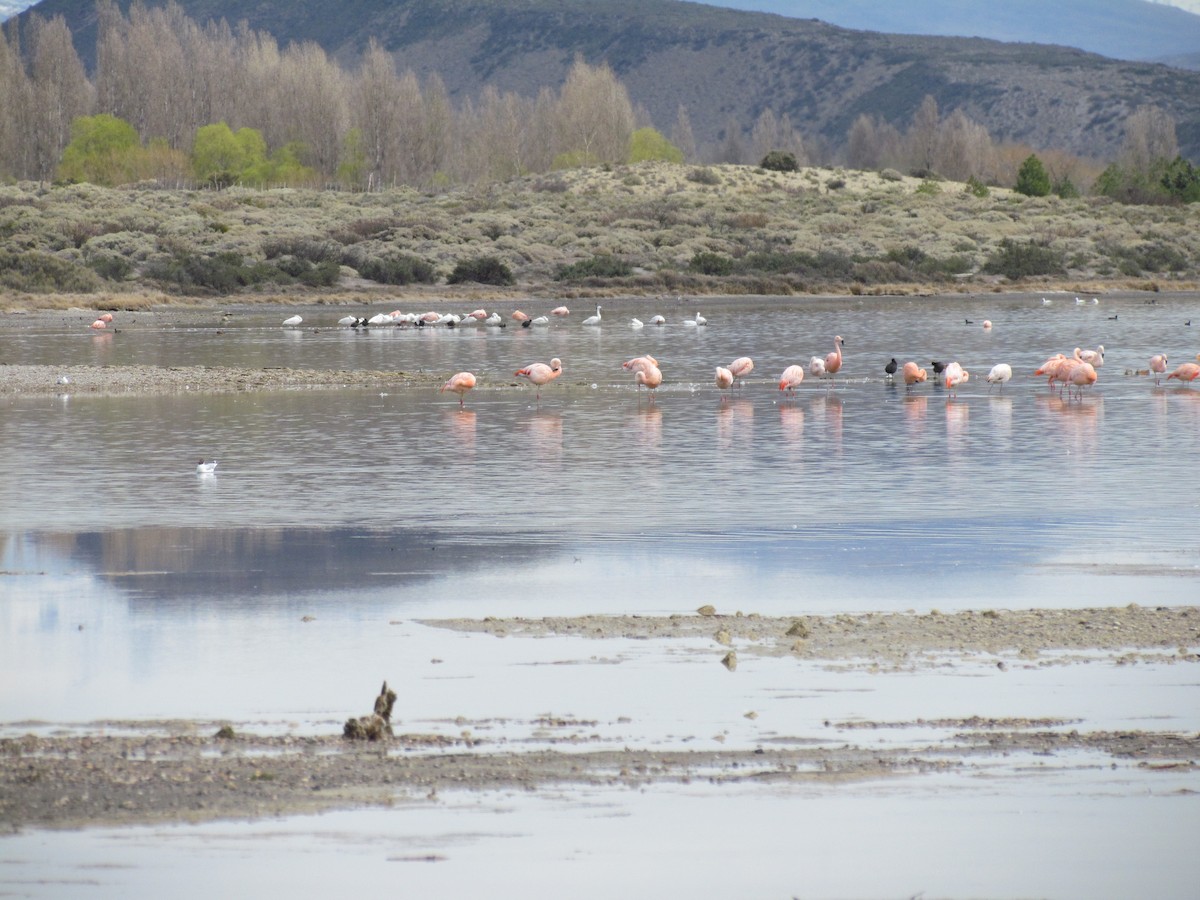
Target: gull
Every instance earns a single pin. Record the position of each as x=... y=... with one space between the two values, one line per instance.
x=206 y=468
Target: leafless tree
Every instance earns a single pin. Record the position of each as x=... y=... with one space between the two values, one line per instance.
x=1149 y=138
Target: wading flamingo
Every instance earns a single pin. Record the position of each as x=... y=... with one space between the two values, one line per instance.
x=1158 y=365
x=1187 y=372
x=791 y=379
x=540 y=373
x=724 y=380
x=741 y=367
x=953 y=376
x=560 y=311
x=459 y=384
x=833 y=361
x=1081 y=375
x=913 y=374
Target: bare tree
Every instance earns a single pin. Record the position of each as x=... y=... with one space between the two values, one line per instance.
x=964 y=148
x=1149 y=138
x=61 y=91
x=682 y=135
x=922 y=136
x=595 y=116
x=771 y=132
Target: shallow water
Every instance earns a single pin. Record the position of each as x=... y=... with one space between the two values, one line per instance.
x=134 y=589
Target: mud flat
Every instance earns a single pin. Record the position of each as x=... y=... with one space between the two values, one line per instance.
x=110 y=773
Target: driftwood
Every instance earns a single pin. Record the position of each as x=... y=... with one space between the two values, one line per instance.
x=378 y=725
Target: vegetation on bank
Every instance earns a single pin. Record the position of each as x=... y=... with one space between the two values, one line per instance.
x=646 y=228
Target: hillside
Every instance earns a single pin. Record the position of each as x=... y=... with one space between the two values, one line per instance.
x=725 y=65
x=646 y=229
x=1121 y=29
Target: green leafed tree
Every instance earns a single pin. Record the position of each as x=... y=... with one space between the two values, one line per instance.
x=220 y=156
x=1032 y=178
x=647 y=144
x=103 y=150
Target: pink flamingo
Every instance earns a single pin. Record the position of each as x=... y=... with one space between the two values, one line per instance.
x=1187 y=372
x=1000 y=374
x=560 y=311
x=1094 y=357
x=1081 y=376
x=98 y=324
x=639 y=363
x=459 y=384
x=833 y=361
x=724 y=380
x=649 y=375
x=791 y=379
x=520 y=316
x=1158 y=365
x=954 y=375
x=741 y=367
x=913 y=374
x=816 y=367
x=540 y=373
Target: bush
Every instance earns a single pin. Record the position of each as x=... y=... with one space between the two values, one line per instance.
x=1066 y=189
x=112 y=268
x=704 y=176
x=402 y=269
x=711 y=264
x=891 y=175
x=482 y=269
x=1016 y=260
x=603 y=266
x=780 y=161
x=976 y=188
x=41 y=273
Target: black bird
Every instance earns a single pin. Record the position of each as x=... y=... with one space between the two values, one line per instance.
x=1188 y=323
x=890 y=368
x=938 y=367
x=968 y=321
x=1112 y=318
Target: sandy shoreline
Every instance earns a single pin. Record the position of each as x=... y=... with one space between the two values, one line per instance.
x=144 y=772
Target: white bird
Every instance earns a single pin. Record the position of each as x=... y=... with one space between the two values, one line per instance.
x=700 y=320
x=1078 y=301
x=293 y=320
x=206 y=468
x=657 y=320
x=1045 y=302
x=593 y=320
x=540 y=320
x=380 y=319
x=347 y=320
x=1095 y=357
x=816 y=367
x=635 y=323
x=690 y=323
x=494 y=320
x=1096 y=301
x=999 y=375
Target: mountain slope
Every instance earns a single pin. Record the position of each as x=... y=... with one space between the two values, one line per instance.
x=723 y=64
x=1121 y=29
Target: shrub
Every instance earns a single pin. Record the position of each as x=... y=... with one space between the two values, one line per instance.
x=1016 y=260
x=42 y=273
x=835 y=184
x=930 y=187
x=976 y=188
x=482 y=269
x=402 y=269
x=891 y=175
x=1066 y=189
x=112 y=268
x=704 y=176
x=780 y=161
x=711 y=264
x=603 y=266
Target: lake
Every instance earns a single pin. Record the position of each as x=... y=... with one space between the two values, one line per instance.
x=134 y=588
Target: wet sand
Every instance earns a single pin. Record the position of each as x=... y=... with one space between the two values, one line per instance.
x=144 y=772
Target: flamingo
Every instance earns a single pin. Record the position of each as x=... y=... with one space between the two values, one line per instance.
x=593 y=320
x=987 y=324
x=816 y=367
x=291 y=320
x=1158 y=365
x=724 y=379
x=540 y=373
x=953 y=376
x=560 y=311
x=890 y=369
x=741 y=367
x=1095 y=357
x=519 y=316
x=649 y=375
x=1187 y=372
x=459 y=384
x=640 y=363
x=206 y=468
x=1000 y=374
x=1081 y=376
x=106 y=318
x=791 y=378
x=913 y=374
x=1054 y=368
x=377 y=319
x=833 y=361
x=478 y=315
x=100 y=323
